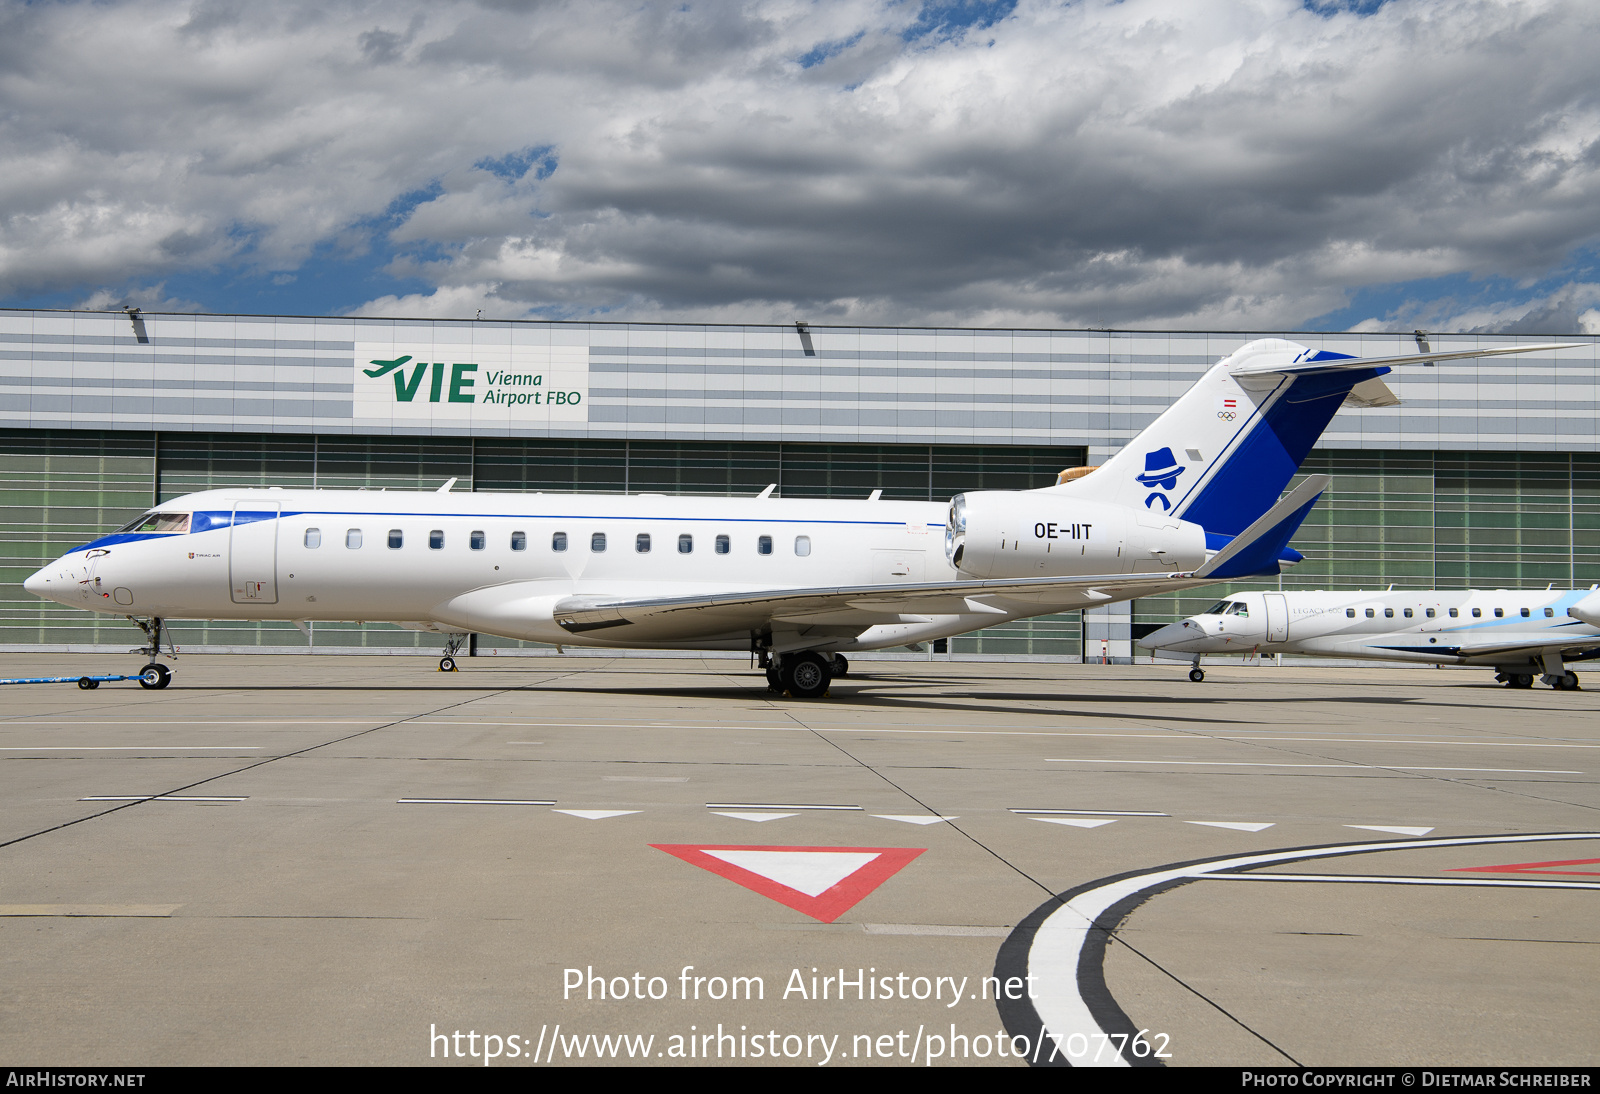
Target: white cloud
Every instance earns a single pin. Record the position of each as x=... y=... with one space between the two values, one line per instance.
x=1153 y=162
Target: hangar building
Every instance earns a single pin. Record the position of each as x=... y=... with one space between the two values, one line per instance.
x=1487 y=475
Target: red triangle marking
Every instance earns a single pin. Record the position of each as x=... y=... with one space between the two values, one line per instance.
x=1535 y=867
x=825 y=906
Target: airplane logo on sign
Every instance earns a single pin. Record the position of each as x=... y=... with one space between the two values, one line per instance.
x=821 y=882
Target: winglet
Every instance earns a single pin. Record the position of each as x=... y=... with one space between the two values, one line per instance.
x=1256 y=549
x=445 y=489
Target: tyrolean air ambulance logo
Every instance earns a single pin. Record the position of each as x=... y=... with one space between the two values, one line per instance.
x=1161 y=472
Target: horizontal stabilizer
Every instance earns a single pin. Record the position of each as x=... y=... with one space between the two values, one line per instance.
x=1256 y=549
x=1330 y=364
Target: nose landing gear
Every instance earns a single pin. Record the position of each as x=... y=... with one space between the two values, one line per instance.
x=154 y=676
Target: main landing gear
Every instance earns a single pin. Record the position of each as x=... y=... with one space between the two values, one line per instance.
x=155 y=675
x=1566 y=681
x=804 y=675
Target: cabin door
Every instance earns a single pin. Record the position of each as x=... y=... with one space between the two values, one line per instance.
x=253 y=553
x=1277 y=618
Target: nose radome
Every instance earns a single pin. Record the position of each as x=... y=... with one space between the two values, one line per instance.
x=1172 y=632
x=41 y=583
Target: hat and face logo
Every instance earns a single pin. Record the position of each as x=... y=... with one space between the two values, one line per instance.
x=1161 y=472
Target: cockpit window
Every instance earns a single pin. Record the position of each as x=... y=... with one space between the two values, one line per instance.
x=1219 y=608
x=157 y=522
x=1239 y=608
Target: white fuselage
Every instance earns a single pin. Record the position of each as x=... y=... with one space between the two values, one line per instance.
x=499 y=563
x=1433 y=626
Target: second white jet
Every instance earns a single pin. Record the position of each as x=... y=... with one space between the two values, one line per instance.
x=1520 y=634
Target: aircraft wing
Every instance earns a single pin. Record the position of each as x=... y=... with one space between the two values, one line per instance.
x=1572 y=647
x=853 y=608
x=846 y=611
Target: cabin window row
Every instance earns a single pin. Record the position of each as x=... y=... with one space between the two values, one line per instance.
x=1455 y=613
x=644 y=543
x=478 y=540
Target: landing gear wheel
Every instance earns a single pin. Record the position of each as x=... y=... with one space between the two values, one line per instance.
x=86 y=684
x=774 y=681
x=1521 y=680
x=447 y=664
x=1569 y=682
x=806 y=675
x=840 y=665
x=1197 y=675
x=154 y=677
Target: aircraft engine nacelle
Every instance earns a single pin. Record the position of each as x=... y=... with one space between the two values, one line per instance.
x=1037 y=533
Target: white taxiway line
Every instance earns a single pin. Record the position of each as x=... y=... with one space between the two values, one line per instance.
x=1355 y=767
x=775 y=805
x=1093 y=812
x=156 y=798
x=471 y=801
x=131 y=748
x=1065 y=950
x=1383 y=879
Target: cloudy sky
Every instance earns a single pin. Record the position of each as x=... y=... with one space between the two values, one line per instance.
x=1223 y=164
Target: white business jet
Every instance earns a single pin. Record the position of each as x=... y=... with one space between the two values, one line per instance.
x=798 y=583
x=1518 y=634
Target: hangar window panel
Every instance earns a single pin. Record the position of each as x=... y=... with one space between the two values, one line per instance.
x=190 y=462
x=702 y=468
x=550 y=465
x=393 y=463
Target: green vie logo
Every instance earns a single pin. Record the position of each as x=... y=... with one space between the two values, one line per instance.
x=501 y=388
x=405 y=390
